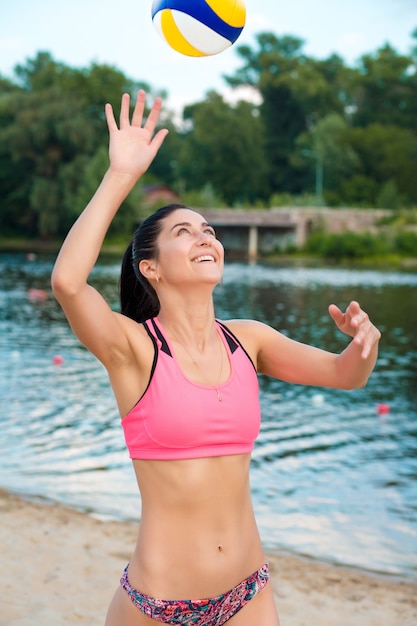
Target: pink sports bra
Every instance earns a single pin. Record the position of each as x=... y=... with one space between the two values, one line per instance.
x=178 y=419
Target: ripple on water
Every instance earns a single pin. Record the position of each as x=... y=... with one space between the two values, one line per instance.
x=330 y=477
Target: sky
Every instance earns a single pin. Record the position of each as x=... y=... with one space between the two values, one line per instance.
x=121 y=33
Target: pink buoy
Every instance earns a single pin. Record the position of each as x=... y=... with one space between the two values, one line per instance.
x=37 y=295
x=57 y=359
x=383 y=409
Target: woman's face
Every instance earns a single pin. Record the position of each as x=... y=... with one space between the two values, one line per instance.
x=188 y=250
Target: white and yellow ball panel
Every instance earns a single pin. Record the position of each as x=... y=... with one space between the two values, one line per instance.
x=199 y=27
x=187 y=35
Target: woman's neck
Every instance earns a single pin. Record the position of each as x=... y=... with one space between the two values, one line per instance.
x=192 y=325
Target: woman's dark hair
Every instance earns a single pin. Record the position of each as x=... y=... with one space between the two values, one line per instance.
x=138 y=298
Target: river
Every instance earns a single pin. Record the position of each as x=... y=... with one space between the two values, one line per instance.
x=333 y=472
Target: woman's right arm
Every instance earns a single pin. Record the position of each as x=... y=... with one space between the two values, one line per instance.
x=132 y=149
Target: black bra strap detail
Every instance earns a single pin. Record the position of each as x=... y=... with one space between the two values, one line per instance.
x=164 y=345
x=155 y=357
x=233 y=345
x=233 y=341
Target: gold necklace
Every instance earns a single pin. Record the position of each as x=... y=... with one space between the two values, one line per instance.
x=194 y=360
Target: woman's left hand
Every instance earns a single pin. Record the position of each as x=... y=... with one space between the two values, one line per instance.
x=356 y=323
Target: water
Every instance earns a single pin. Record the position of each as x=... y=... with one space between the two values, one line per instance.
x=331 y=478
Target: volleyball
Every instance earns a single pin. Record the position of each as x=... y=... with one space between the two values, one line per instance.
x=199 y=28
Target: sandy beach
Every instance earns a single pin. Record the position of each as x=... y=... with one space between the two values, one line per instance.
x=47 y=577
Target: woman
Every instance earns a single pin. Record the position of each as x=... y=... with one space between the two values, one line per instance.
x=186 y=387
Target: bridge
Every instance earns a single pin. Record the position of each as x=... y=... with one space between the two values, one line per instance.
x=253 y=232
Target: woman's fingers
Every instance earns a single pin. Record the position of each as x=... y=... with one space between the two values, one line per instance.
x=137 y=116
x=111 y=122
x=124 y=111
x=158 y=140
x=153 y=116
x=336 y=314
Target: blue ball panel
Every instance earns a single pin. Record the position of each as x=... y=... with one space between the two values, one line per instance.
x=202 y=12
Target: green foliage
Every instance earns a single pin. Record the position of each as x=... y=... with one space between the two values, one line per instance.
x=400 y=219
x=204 y=198
x=326 y=148
x=386 y=153
x=323 y=133
x=296 y=91
x=406 y=243
x=288 y=200
x=167 y=167
x=355 y=246
x=227 y=152
x=305 y=105
x=389 y=196
x=284 y=121
x=347 y=245
x=52 y=138
x=359 y=191
x=385 y=90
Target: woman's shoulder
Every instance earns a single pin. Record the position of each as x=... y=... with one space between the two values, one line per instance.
x=252 y=334
x=246 y=327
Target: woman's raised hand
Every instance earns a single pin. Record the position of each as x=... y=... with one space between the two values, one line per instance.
x=356 y=323
x=133 y=145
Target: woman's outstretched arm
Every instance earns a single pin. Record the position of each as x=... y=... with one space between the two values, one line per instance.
x=133 y=146
x=281 y=357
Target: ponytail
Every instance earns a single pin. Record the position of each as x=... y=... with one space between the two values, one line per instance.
x=138 y=299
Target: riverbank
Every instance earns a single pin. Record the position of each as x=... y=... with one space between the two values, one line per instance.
x=35 y=247
x=51 y=246
x=60 y=566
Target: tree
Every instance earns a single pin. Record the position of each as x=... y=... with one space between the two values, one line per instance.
x=296 y=92
x=47 y=132
x=386 y=153
x=52 y=124
x=224 y=148
x=325 y=145
x=167 y=166
x=386 y=90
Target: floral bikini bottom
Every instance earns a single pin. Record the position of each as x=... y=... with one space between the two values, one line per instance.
x=208 y=612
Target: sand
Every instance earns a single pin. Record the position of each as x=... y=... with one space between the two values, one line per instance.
x=61 y=567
